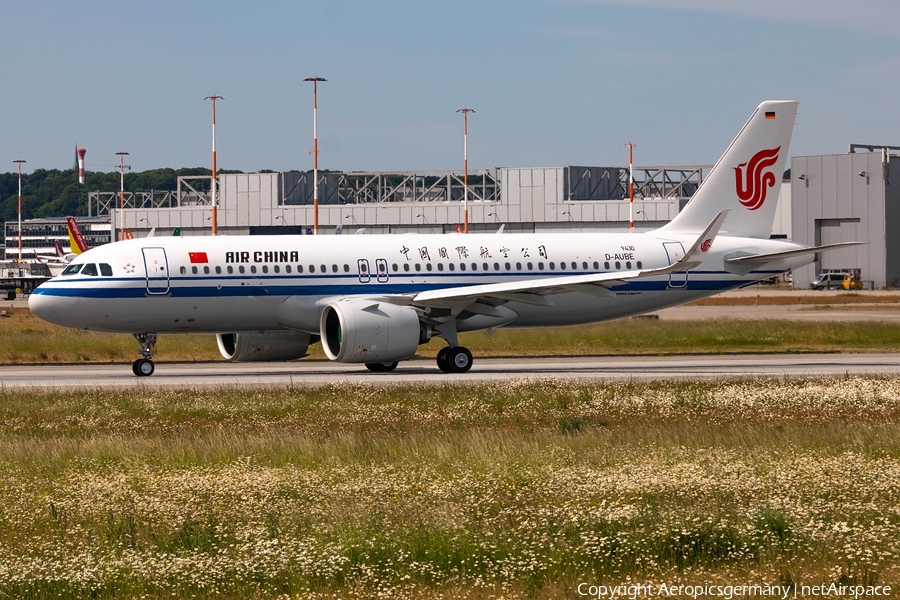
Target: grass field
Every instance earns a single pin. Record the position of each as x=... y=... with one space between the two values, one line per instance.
x=26 y=339
x=488 y=491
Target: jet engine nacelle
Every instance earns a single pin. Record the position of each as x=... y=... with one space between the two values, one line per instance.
x=369 y=331
x=275 y=346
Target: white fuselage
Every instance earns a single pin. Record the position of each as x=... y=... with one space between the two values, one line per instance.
x=271 y=283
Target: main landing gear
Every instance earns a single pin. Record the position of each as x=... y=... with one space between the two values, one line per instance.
x=381 y=367
x=454 y=360
x=143 y=367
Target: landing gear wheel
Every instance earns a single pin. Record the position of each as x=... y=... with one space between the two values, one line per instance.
x=460 y=360
x=443 y=359
x=143 y=367
x=381 y=367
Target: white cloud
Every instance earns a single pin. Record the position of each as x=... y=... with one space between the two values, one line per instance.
x=872 y=15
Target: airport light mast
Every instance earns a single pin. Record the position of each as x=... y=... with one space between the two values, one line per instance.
x=122 y=165
x=465 y=112
x=19 y=162
x=315 y=80
x=213 y=196
x=630 y=185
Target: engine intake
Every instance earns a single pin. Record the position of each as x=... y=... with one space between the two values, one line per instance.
x=370 y=331
x=275 y=346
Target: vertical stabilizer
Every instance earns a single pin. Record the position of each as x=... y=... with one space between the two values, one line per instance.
x=747 y=179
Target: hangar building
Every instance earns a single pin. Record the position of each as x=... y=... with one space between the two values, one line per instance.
x=844 y=198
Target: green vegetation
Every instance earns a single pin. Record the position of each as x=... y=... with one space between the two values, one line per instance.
x=26 y=339
x=512 y=490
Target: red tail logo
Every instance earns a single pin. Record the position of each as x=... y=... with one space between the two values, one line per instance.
x=704 y=247
x=753 y=184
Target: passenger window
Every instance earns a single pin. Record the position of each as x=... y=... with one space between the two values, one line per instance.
x=312 y=268
x=347 y=267
x=184 y=270
x=265 y=268
x=287 y=268
x=552 y=266
x=206 y=270
x=230 y=269
x=440 y=266
x=105 y=270
x=253 y=268
x=241 y=268
x=323 y=268
x=277 y=269
x=462 y=266
x=89 y=269
x=530 y=266
x=72 y=269
x=508 y=266
x=640 y=265
x=428 y=266
x=562 y=266
x=618 y=265
x=596 y=266
x=406 y=267
x=418 y=267
x=606 y=265
x=218 y=270
x=628 y=264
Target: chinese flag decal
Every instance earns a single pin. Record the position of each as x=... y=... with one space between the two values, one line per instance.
x=198 y=257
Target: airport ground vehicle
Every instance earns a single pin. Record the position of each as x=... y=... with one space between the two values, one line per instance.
x=828 y=281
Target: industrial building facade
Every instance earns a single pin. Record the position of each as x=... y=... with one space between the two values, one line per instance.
x=537 y=199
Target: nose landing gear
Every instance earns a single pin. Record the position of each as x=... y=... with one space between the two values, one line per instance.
x=143 y=367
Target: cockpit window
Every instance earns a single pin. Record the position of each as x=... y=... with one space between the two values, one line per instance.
x=72 y=269
x=89 y=269
x=105 y=270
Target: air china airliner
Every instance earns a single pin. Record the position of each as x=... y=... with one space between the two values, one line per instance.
x=374 y=299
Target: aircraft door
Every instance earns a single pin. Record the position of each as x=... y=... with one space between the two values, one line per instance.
x=675 y=251
x=381 y=269
x=157 y=267
x=363 y=270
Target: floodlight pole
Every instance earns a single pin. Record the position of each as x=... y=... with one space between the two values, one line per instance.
x=213 y=196
x=315 y=80
x=19 y=162
x=122 y=156
x=465 y=112
x=630 y=185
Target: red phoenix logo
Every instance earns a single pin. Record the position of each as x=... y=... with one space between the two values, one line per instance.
x=704 y=247
x=751 y=185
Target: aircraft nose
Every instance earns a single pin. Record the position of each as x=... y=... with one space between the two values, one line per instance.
x=46 y=307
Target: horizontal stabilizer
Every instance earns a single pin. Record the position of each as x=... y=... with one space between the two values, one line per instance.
x=761 y=259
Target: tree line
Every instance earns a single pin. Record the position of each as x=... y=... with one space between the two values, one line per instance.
x=57 y=193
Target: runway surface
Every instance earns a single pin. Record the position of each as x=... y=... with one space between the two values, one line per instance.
x=315 y=373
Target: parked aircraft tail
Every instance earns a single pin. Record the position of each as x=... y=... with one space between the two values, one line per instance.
x=746 y=179
x=76 y=238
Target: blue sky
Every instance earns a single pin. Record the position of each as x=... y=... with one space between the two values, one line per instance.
x=553 y=82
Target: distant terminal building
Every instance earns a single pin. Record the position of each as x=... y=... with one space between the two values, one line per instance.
x=39 y=235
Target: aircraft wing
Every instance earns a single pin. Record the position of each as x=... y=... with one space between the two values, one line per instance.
x=532 y=291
